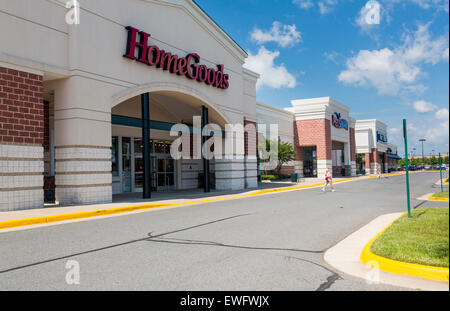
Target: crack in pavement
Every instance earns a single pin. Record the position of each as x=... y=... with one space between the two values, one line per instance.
x=154 y=238
x=211 y=243
x=117 y=245
x=330 y=280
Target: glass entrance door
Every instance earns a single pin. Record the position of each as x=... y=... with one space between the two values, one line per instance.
x=126 y=165
x=309 y=161
x=130 y=167
x=166 y=174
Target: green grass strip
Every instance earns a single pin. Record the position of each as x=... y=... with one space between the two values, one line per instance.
x=423 y=239
x=443 y=194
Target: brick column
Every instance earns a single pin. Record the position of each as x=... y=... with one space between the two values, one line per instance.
x=386 y=166
x=352 y=152
x=367 y=162
x=21 y=140
x=251 y=164
x=231 y=168
x=374 y=164
x=82 y=146
x=299 y=161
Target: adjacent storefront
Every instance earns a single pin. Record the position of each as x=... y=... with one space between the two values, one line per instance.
x=323 y=137
x=372 y=144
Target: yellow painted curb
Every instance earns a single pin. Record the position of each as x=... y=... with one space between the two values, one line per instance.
x=127 y=209
x=432 y=198
x=446 y=182
x=403 y=268
x=105 y=212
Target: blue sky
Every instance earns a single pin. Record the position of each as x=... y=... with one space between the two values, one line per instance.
x=392 y=70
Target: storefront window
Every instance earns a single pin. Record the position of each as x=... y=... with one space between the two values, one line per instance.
x=126 y=164
x=168 y=146
x=160 y=147
x=115 y=156
x=138 y=147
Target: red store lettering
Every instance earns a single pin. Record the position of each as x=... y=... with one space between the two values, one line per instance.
x=182 y=66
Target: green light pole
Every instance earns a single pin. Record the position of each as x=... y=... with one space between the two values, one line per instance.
x=440 y=169
x=405 y=135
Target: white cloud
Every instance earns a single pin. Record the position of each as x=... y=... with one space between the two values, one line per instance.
x=304 y=4
x=442 y=114
x=283 y=35
x=383 y=69
x=424 y=106
x=272 y=76
x=439 y=5
x=327 y=6
x=333 y=56
x=392 y=70
x=416 y=89
x=437 y=133
x=428 y=4
x=421 y=48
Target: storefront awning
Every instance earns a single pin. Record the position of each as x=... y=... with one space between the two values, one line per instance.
x=394 y=156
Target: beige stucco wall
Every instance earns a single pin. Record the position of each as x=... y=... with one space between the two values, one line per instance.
x=283 y=119
x=89 y=58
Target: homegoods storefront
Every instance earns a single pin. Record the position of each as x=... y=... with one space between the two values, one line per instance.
x=90 y=106
x=86 y=111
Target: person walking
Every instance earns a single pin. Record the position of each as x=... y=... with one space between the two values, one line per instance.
x=379 y=171
x=328 y=182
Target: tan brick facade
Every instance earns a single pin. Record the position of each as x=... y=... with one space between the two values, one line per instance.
x=250 y=138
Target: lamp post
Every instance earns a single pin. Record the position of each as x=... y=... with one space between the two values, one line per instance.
x=440 y=170
x=408 y=193
x=423 y=157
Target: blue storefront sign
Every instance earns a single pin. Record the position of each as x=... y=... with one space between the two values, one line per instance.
x=338 y=122
x=381 y=137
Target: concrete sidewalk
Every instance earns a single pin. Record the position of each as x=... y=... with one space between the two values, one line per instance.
x=159 y=200
x=135 y=199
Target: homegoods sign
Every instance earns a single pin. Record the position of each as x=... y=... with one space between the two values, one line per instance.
x=187 y=66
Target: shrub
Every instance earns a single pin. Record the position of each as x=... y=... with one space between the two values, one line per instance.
x=275 y=177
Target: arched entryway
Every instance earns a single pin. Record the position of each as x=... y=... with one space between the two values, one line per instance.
x=141 y=164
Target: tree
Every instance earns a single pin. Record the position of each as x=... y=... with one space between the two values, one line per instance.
x=446 y=160
x=359 y=158
x=433 y=161
x=286 y=152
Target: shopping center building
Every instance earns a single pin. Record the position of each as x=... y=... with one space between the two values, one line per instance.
x=87 y=108
x=378 y=155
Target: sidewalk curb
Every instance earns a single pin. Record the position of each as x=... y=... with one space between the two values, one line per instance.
x=432 y=198
x=127 y=209
x=345 y=257
x=402 y=268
